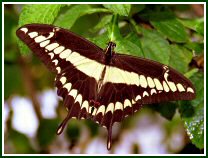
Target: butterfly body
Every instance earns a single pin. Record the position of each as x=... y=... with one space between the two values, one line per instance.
x=99 y=84
x=109 y=53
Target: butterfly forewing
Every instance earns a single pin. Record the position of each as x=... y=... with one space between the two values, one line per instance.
x=105 y=92
x=54 y=45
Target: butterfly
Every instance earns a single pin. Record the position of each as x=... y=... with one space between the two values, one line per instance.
x=100 y=84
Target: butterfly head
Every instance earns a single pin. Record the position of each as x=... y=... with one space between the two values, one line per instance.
x=112 y=45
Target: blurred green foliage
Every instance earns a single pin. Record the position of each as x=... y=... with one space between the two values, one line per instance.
x=156 y=32
x=20 y=142
x=46 y=131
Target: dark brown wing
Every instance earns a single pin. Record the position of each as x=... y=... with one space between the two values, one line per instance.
x=169 y=84
x=53 y=45
x=92 y=89
x=77 y=62
x=132 y=82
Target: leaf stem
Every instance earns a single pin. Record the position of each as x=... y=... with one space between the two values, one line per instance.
x=191 y=72
x=112 y=27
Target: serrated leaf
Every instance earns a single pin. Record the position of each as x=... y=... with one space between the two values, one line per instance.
x=192 y=112
x=37 y=13
x=121 y=9
x=172 y=29
x=180 y=58
x=67 y=19
x=155 y=47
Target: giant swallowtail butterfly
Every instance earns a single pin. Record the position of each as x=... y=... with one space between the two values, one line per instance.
x=98 y=84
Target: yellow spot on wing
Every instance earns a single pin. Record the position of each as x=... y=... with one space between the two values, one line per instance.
x=127 y=103
x=24 y=29
x=180 y=87
x=118 y=106
x=110 y=108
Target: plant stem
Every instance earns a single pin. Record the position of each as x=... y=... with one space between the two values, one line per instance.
x=29 y=86
x=114 y=24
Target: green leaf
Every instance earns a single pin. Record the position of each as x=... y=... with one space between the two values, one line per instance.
x=123 y=45
x=37 y=13
x=11 y=87
x=67 y=19
x=129 y=47
x=20 y=143
x=88 y=21
x=155 y=47
x=134 y=44
x=121 y=9
x=191 y=73
x=101 y=40
x=192 y=23
x=102 y=23
x=73 y=130
x=156 y=15
x=196 y=47
x=192 y=112
x=94 y=129
x=180 y=58
x=200 y=28
x=47 y=131
x=10 y=26
x=172 y=29
x=166 y=109
x=136 y=8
